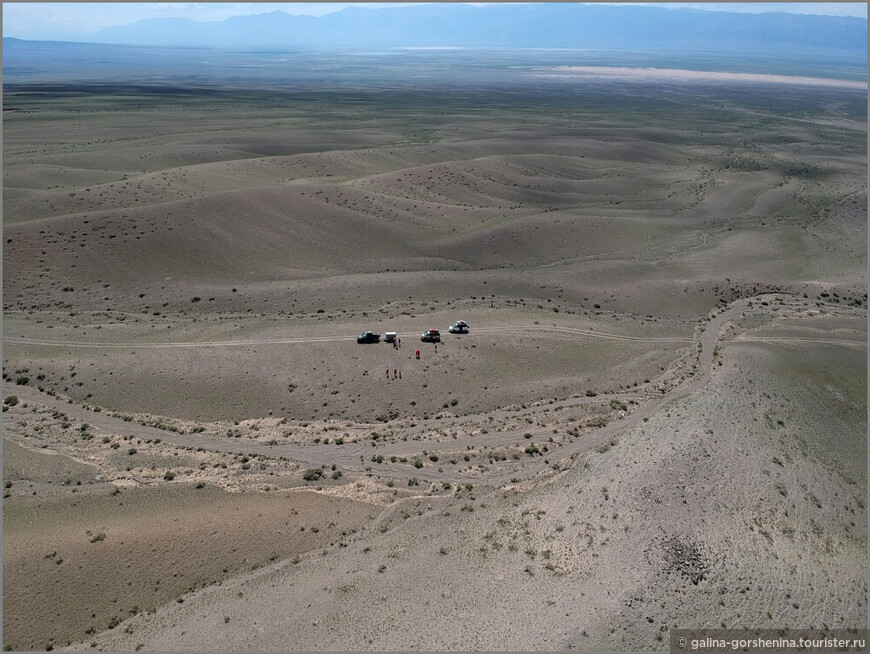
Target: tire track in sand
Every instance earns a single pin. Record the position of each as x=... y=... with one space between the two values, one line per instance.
x=353 y=456
x=519 y=331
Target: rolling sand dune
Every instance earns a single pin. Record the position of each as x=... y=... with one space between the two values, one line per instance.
x=657 y=420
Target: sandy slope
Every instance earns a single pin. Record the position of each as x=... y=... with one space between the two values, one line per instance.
x=625 y=501
x=589 y=560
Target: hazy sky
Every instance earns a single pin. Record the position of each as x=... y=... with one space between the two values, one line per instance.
x=68 y=20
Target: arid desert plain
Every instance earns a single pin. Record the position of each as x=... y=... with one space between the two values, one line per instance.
x=658 y=419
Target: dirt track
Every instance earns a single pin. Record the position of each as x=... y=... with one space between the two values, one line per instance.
x=705 y=473
x=352 y=455
x=334 y=339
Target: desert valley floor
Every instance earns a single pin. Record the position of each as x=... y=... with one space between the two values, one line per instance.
x=657 y=420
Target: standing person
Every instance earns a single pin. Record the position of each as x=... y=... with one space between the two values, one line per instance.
x=400 y=341
x=400 y=373
x=436 y=348
x=418 y=354
x=395 y=373
x=388 y=373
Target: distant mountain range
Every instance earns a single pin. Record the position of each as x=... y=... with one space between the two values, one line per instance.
x=543 y=25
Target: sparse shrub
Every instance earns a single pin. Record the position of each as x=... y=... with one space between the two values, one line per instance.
x=312 y=474
x=131 y=451
x=10 y=400
x=418 y=463
x=22 y=380
x=169 y=476
x=591 y=393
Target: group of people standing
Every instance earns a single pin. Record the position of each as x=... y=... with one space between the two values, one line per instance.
x=397 y=372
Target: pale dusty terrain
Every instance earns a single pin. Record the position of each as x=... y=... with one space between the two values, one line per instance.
x=659 y=74
x=588 y=559
x=658 y=419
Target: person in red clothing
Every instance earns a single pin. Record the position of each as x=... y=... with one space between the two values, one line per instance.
x=418 y=354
